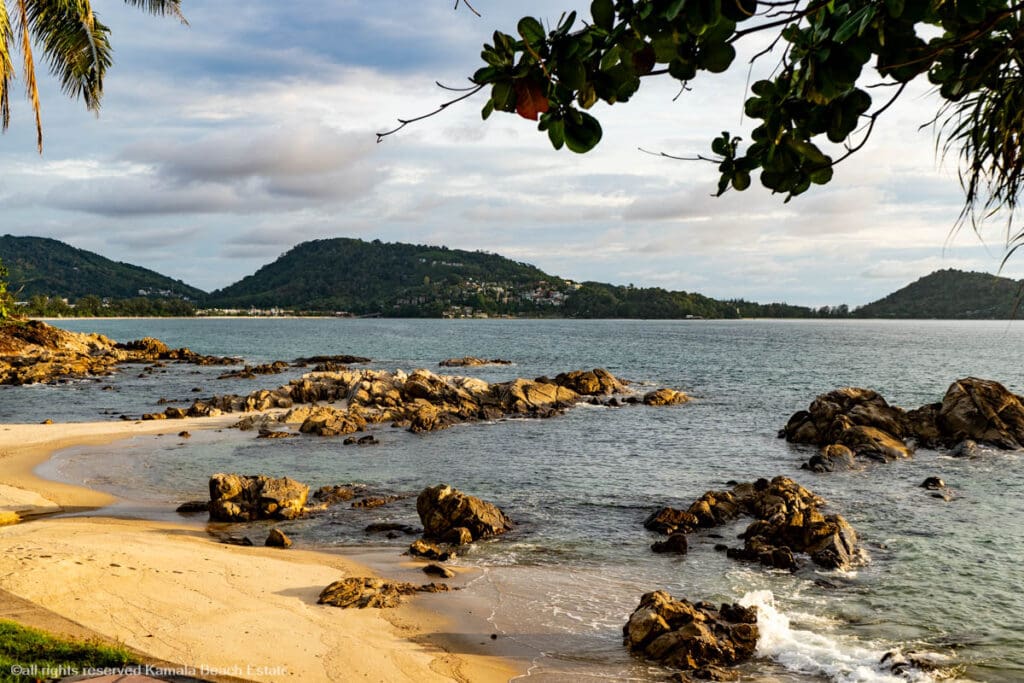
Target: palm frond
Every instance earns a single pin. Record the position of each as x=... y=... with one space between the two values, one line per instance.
x=7 y=40
x=162 y=8
x=29 y=65
x=76 y=45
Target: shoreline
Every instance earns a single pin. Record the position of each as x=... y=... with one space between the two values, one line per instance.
x=169 y=591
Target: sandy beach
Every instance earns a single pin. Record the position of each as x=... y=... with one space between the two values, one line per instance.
x=173 y=593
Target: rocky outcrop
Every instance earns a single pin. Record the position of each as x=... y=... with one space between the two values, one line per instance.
x=239 y=498
x=983 y=411
x=443 y=510
x=34 y=352
x=594 y=382
x=471 y=362
x=338 y=359
x=787 y=521
x=665 y=397
x=691 y=636
x=363 y=592
x=972 y=411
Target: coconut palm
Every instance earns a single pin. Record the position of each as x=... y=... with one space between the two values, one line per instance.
x=73 y=42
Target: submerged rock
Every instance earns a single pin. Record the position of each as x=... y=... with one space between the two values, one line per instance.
x=471 y=361
x=690 y=636
x=832 y=458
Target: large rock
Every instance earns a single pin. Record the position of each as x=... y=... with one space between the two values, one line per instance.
x=691 y=636
x=240 y=498
x=832 y=458
x=362 y=592
x=591 y=382
x=832 y=413
x=442 y=509
x=981 y=410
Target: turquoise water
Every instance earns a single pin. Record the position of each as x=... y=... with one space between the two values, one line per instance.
x=941 y=577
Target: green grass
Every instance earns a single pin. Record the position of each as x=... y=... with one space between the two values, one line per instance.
x=29 y=655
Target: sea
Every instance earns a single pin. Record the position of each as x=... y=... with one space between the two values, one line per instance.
x=940 y=577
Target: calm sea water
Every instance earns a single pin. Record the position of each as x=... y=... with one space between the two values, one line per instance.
x=942 y=577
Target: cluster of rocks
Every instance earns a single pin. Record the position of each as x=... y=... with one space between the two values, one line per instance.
x=852 y=423
x=787 y=520
x=420 y=401
x=240 y=498
x=33 y=352
x=695 y=637
x=472 y=362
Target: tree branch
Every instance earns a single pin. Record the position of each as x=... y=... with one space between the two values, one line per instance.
x=405 y=122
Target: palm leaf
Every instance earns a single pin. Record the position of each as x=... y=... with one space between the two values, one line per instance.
x=76 y=46
x=161 y=8
x=29 y=65
x=6 y=65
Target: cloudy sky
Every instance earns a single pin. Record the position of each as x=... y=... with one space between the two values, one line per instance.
x=224 y=143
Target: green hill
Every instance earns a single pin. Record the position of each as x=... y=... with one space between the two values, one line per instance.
x=361 y=277
x=42 y=266
x=950 y=294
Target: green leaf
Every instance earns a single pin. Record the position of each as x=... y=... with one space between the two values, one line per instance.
x=682 y=70
x=716 y=57
x=603 y=12
x=487 y=110
x=583 y=135
x=532 y=31
x=674 y=8
x=504 y=96
x=822 y=176
x=556 y=133
x=572 y=74
x=741 y=180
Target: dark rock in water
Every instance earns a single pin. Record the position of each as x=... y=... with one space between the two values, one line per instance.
x=251 y=371
x=184 y=435
x=375 y=501
x=334 y=494
x=832 y=458
x=442 y=508
x=676 y=543
x=431 y=551
x=690 y=636
x=343 y=359
x=362 y=592
x=933 y=484
x=368 y=440
x=349 y=441
x=905 y=664
x=472 y=361
x=277 y=539
x=239 y=498
x=438 y=570
x=669 y=520
x=378 y=527
x=965 y=449
x=193 y=506
x=721 y=547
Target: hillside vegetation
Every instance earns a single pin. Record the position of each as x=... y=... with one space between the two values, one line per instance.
x=950 y=294
x=45 y=267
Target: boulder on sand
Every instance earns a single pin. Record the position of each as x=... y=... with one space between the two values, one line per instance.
x=362 y=592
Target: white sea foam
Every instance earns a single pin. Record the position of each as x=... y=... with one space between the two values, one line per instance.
x=843 y=660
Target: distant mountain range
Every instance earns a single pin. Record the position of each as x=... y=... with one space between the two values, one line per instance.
x=49 y=267
x=357 y=277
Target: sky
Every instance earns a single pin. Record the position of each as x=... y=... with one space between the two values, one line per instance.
x=222 y=144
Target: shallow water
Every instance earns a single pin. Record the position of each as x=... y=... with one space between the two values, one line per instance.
x=940 y=576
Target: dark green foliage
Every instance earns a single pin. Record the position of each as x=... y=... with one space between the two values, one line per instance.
x=373 y=277
x=26 y=648
x=951 y=295
x=40 y=306
x=51 y=268
x=817 y=95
